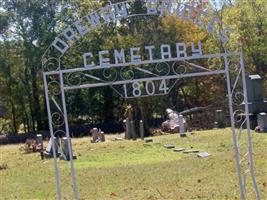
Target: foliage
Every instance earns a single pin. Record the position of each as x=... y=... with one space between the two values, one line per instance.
x=31 y=27
x=5 y=126
x=28 y=27
x=249 y=20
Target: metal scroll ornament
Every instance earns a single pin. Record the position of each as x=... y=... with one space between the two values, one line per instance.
x=54 y=88
x=127 y=73
x=74 y=79
x=163 y=69
x=179 y=68
x=238 y=98
x=57 y=119
x=51 y=64
x=110 y=75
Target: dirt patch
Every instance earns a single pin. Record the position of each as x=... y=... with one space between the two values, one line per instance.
x=3 y=167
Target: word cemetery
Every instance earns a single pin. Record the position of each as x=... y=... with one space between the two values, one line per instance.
x=146 y=54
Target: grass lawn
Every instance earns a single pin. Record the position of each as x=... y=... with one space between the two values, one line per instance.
x=131 y=170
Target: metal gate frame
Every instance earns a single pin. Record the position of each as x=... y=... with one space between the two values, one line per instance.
x=247 y=157
x=58 y=80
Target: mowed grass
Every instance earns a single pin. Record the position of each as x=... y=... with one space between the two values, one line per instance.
x=132 y=170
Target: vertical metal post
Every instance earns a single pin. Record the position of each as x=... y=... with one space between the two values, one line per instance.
x=73 y=176
x=249 y=142
x=58 y=184
x=227 y=71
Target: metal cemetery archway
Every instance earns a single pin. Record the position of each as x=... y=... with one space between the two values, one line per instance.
x=145 y=75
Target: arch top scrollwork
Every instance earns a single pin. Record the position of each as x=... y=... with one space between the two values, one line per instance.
x=115 y=12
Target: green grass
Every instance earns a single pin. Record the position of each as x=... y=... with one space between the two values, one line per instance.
x=130 y=170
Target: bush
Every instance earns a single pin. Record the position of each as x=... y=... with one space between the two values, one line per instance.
x=5 y=126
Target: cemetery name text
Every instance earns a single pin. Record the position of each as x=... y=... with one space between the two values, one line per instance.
x=114 y=12
x=137 y=55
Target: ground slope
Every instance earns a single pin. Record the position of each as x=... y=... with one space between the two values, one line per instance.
x=132 y=170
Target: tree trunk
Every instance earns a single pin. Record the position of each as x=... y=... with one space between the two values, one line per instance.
x=14 y=119
x=108 y=105
x=144 y=119
x=37 y=107
x=29 y=96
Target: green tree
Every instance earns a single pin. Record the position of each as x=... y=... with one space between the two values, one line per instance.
x=33 y=25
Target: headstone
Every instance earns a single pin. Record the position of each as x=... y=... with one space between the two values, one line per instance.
x=118 y=139
x=203 y=155
x=101 y=137
x=128 y=129
x=256 y=102
x=94 y=133
x=133 y=133
x=39 y=142
x=182 y=126
x=142 y=130
x=254 y=88
x=128 y=114
x=169 y=146
x=262 y=122
x=191 y=151
x=179 y=149
x=219 y=119
x=65 y=149
x=39 y=139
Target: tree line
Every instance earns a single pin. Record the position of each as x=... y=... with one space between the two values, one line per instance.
x=28 y=27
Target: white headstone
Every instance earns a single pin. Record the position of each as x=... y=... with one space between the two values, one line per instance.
x=102 y=136
x=181 y=126
x=94 y=133
x=142 y=130
x=262 y=122
x=39 y=139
